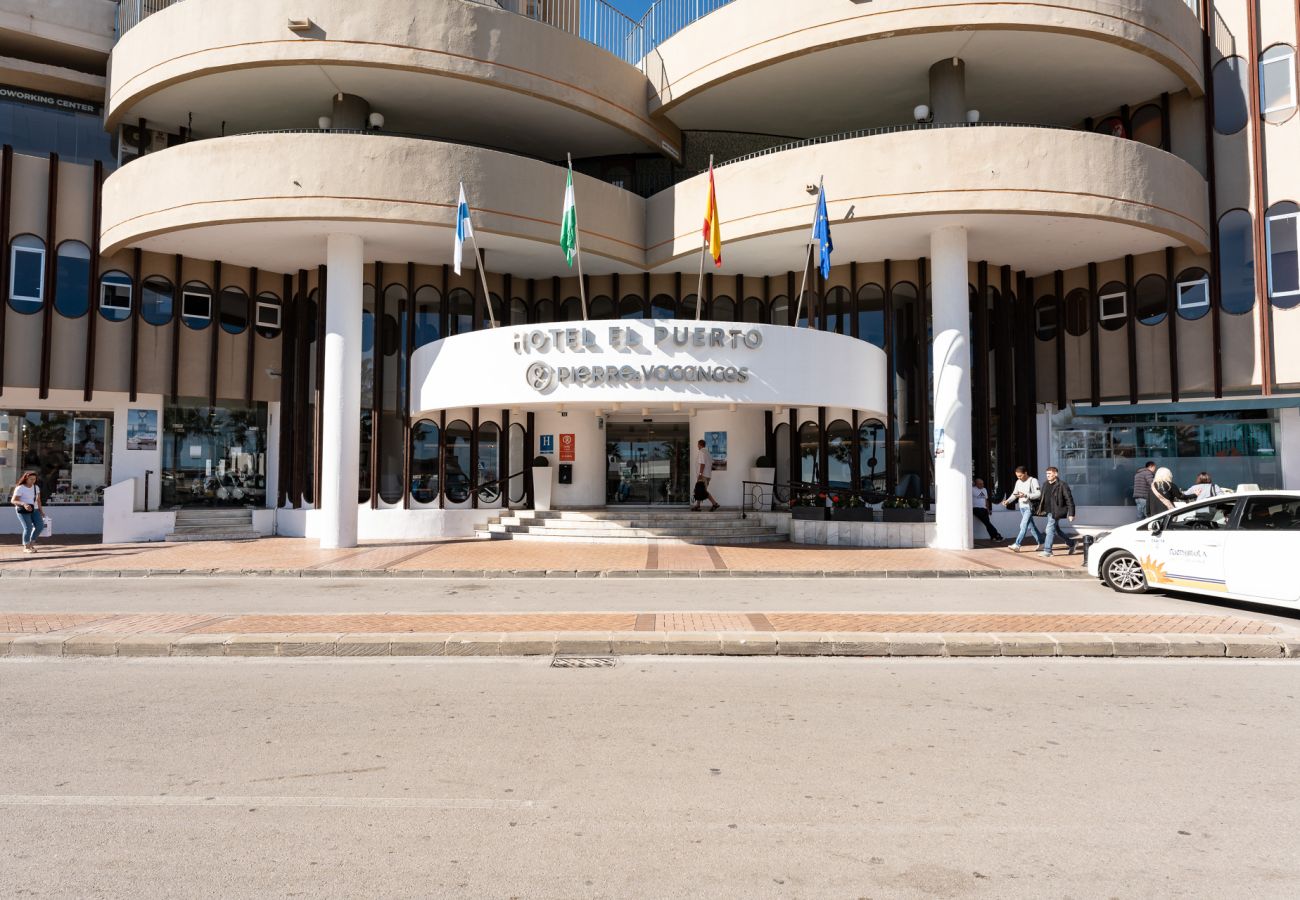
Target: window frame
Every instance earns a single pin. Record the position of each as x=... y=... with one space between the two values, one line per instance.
x=259 y=322
x=1264 y=112
x=1103 y=316
x=186 y=294
x=1179 y=305
x=1268 y=250
x=1048 y=332
x=130 y=295
x=40 y=251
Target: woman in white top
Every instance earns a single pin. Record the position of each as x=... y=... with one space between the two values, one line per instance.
x=1205 y=488
x=26 y=499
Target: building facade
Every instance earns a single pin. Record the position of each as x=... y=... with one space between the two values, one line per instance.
x=1065 y=234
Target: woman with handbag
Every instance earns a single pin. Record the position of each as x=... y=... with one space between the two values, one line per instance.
x=26 y=499
x=1165 y=495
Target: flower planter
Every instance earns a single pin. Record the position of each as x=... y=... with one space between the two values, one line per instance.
x=817 y=513
x=853 y=514
x=542 y=483
x=902 y=515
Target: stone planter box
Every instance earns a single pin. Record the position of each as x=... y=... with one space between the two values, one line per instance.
x=816 y=513
x=853 y=514
x=902 y=515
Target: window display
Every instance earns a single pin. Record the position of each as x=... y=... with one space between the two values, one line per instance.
x=214 y=456
x=69 y=451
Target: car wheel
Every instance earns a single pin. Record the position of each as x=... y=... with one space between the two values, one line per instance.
x=1122 y=572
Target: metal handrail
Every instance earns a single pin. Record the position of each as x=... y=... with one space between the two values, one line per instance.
x=498 y=483
x=763 y=496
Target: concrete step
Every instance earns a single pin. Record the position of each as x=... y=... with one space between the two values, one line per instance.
x=696 y=524
x=721 y=539
x=213 y=534
x=627 y=533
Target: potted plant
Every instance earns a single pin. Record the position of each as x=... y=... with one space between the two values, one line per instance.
x=542 y=481
x=810 y=506
x=762 y=473
x=903 y=509
x=851 y=507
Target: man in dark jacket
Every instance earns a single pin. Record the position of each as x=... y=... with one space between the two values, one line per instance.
x=1057 y=503
x=1142 y=479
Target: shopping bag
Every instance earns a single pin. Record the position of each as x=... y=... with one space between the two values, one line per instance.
x=48 y=530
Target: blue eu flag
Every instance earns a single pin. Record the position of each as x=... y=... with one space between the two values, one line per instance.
x=822 y=235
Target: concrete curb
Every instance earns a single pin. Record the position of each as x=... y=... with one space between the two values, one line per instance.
x=704 y=643
x=540 y=573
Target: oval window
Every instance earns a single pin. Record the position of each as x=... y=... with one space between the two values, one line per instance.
x=1192 y=294
x=234 y=310
x=1149 y=126
x=1112 y=306
x=115 y=296
x=1237 y=263
x=196 y=305
x=1045 y=318
x=1231 y=110
x=1076 y=312
x=72 y=272
x=1152 y=300
x=156 y=299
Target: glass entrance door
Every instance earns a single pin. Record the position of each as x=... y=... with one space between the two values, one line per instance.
x=648 y=463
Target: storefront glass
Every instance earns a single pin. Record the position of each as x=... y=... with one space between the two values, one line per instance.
x=213 y=456
x=648 y=462
x=70 y=452
x=1098 y=455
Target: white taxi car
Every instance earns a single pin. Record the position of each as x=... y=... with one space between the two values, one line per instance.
x=1239 y=546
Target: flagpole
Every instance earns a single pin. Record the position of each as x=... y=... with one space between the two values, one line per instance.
x=699 y=287
x=821 y=186
x=487 y=295
x=577 y=239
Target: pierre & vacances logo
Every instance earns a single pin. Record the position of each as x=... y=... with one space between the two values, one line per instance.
x=542 y=376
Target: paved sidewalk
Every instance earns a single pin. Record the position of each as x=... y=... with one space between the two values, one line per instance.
x=616 y=634
x=484 y=558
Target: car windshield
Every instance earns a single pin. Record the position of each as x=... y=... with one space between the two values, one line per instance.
x=1206 y=516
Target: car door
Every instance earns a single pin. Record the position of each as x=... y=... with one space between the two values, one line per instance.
x=1262 y=549
x=1188 y=552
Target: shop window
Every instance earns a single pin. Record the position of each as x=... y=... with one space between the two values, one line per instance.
x=1283 y=261
x=428 y=315
x=115 y=296
x=571 y=310
x=544 y=311
x=72 y=268
x=70 y=452
x=809 y=453
x=838 y=316
x=1113 y=126
x=602 y=308
x=781 y=310
x=1230 y=108
x=663 y=307
x=687 y=307
x=196 y=305
x=489 y=462
x=1112 y=306
x=26 y=273
x=456 y=454
x=753 y=310
x=424 y=461
x=213 y=456
x=781 y=440
x=395 y=316
x=517 y=488
x=723 y=309
x=839 y=445
x=1277 y=83
x=156 y=298
x=1193 y=294
x=1151 y=300
x=460 y=312
x=518 y=311
x=268 y=312
x=872 y=447
x=234 y=310
x=1149 y=125
x=631 y=307
x=1045 y=318
x=1237 y=262
x=1077 y=312
x=871 y=314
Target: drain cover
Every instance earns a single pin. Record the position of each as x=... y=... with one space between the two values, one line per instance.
x=583 y=662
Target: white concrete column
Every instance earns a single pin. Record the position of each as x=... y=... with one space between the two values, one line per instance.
x=952 y=404
x=341 y=392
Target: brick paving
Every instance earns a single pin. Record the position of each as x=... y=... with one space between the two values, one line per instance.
x=468 y=555
x=498 y=623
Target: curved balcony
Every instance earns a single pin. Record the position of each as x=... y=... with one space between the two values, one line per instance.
x=460 y=69
x=268 y=200
x=1037 y=199
x=753 y=65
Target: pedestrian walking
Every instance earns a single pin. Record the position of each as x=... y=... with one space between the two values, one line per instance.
x=703 y=475
x=1142 y=479
x=1205 y=488
x=1057 y=504
x=981 y=505
x=26 y=500
x=1165 y=495
x=1024 y=492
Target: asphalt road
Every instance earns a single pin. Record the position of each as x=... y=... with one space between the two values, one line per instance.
x=658 y=778
x=235 y=595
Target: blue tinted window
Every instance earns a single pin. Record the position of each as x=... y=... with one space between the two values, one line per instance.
x=156 y=300
x=72 y=293
x=27 y=273
x=1237 y=253
x=38 y=131
x=115 y=296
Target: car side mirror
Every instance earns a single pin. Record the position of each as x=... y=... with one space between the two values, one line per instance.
x=1157 y=526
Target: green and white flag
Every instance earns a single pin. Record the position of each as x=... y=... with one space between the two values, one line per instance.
x=569 y=221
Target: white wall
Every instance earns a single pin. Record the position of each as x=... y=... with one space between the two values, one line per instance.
x=745 y=444
x=389 y=524
x=1288 y=445
x=589 y=465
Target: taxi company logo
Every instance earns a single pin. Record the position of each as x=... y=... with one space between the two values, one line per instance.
x=540 y=376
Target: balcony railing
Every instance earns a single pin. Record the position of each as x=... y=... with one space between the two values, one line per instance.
x=595 y=21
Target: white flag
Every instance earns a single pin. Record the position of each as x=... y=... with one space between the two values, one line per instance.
x=463 y=227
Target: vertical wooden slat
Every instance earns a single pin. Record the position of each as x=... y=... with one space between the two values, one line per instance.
x=980 y=402
x=1207 y=61
x=1029 y=344
x=1171 y=316
x=1166 y=122
x=769 y=436
x=6 y=207
x=302 y=385
x=137 y=295
x=177 y=307
x=823 y=450
x=1258 y=178
x=1130 y=325
x=92 y=288
x=795 y=462
x=645 y=293
x=377 y=385
x=852 y=311
x=214 y=338
x=251 y=342
x=442 y=459
x=1094 y=338
x=322 y=289
x=503 y=471
x=891 y=384
x=1005 y=395
x=855 y=455
x=1059 y=287
x=408 y=349
x=51 y=277
x=288 y=390
x=473 y=457
x=926 y=367
x=530 y=445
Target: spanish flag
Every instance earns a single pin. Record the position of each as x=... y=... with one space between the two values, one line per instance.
x=712 y=227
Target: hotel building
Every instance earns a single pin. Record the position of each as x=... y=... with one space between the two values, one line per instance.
x=1065 y=234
